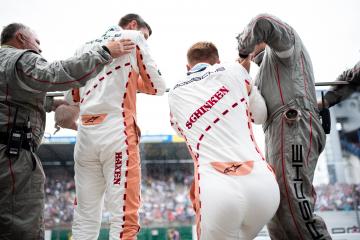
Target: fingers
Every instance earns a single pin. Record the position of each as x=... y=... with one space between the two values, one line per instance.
x=245 y=62
x=127 y=44
x=120 y=47
x=57 y=103
x=126 y=41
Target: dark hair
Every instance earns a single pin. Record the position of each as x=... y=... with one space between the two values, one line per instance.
x=202 y=52
x=125 y=20
x=9 y=31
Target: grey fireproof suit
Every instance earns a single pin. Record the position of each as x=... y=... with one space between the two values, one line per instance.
x=293 y=140
x=25 y=77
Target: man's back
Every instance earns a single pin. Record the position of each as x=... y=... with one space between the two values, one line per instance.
x=106 y=154
x=211 y=108
x=106 y=92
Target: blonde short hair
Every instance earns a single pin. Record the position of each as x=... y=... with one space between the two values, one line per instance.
x=202 y=52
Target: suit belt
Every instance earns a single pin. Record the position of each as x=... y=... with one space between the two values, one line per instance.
x=299 y=102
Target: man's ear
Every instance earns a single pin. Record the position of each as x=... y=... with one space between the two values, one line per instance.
x=20 y=37
x=188 y=67
x=133 y=25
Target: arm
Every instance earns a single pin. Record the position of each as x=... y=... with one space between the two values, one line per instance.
x=257 y=106
x=37 y=74
x=339 y=93
x=174 y=125
x=270 y=30
x=150 y=80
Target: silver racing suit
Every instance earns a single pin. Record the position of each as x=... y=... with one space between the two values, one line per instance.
x=25 y=77
x=293 y=133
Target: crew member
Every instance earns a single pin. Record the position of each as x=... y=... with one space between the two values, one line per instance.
x=234 y=192
x=293 y=133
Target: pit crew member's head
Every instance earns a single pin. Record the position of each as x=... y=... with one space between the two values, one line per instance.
x=202 y=52
x=20 y=36
x=135 y=22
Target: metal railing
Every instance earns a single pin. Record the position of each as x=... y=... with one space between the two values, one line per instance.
x=318 y=84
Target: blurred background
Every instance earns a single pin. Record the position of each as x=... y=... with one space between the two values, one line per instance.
x=330 y=31
x=167 y=172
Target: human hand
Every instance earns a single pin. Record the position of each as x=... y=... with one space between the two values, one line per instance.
x=257 y=54
x=120 y=47
x=258 y=48
x=66 y=116
x=245 y=62
x=321 y=105
x=57 y=102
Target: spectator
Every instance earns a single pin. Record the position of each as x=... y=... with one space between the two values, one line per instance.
x=175 y=207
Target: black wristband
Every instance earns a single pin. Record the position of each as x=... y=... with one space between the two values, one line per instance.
x=106 y=49
x=243 y=55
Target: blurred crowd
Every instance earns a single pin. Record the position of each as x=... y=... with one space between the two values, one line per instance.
x=165 y=200
x=337 y=197
x=59 y=199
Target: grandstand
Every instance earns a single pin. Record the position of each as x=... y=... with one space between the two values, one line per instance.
x=167 y=172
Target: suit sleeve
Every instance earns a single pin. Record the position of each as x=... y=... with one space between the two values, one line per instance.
x=174 y=125
x=150 y=80
x=257 y=106
x=73 y=96
x=339 y=93
x=242 y=80
x=266 y=28
x=35 y=73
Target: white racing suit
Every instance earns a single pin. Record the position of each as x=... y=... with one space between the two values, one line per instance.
x=234 y=192
x=293 y=133
x=106 y=151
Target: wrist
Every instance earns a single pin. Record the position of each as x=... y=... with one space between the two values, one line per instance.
x=106 y=49
x=243 y=56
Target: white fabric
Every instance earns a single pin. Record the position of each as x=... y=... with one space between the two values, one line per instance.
x=237 y=207
x=97 y=145
x=193 y=93
x=94 y=174
x=108 y=96
x=210 y=108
